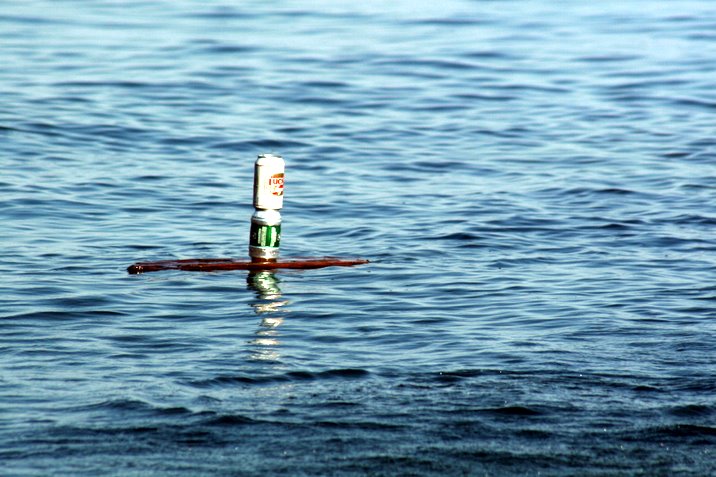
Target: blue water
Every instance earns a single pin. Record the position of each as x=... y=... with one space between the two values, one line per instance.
x=533 y=181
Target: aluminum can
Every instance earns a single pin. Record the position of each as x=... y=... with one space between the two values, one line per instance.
x=265 y=235
x=268 y=182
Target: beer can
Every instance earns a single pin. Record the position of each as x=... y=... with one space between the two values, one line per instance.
x=268 y=182
x=265 y=235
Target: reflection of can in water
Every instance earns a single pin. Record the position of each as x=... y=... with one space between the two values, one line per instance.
x=265 y=236
x=268 y=182
x=265 y=284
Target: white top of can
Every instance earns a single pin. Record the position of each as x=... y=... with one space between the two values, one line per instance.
x=264 y=159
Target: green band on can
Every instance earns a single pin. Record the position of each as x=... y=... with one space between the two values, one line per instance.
x=265 y=235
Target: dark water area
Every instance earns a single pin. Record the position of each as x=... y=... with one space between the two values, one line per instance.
x=533 y=181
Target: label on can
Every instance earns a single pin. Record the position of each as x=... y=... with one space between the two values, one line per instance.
x=265 y=235
x=276 y=184
x=268 y=182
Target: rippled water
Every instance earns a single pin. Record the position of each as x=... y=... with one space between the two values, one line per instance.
x=533 y=182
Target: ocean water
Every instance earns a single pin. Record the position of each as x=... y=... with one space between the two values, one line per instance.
x=533 y=181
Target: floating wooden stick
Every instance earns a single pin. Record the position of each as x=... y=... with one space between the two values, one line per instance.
x=219 y=264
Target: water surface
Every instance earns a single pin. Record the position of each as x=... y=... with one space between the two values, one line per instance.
x=532 y=181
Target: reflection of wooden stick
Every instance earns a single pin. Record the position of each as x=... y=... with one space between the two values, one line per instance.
x=219 y=264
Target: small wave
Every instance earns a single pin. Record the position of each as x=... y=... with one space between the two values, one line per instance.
x=692 y=410
x=600 y=59
x=450 y=22
x=459 y=236
x=512 y=411
x=230 y=420
x=490 y=55
x=130 y=406
x=696 y=103
x=325 y=84
x=228 y=49
x=360 y=425
x=428 y=64
x=679 y=431
x=461 y=375
x=124 y=84
x=265 y=144
x=348 y=373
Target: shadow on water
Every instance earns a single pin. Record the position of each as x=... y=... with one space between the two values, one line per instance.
x=265 y=346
